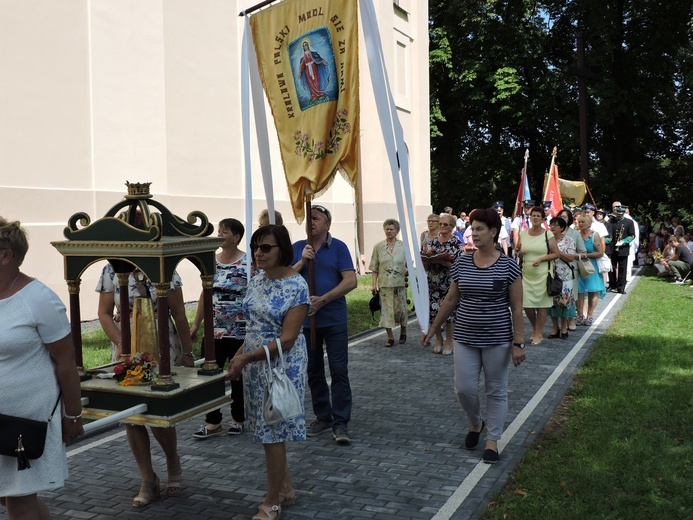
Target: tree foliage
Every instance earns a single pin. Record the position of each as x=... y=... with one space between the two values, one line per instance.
x=502 y=81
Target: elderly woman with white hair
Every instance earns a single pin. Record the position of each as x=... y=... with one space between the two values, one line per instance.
x=389 y=268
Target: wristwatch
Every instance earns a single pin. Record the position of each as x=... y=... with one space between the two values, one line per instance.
x=521 y=345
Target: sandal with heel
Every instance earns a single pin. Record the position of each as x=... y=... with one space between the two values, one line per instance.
x=287 y=499
x=175 y=480
x=266 y=512
x=149 y=490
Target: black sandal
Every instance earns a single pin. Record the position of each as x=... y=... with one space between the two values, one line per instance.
x=554 y=335
x=390 y=342
x=402 y=339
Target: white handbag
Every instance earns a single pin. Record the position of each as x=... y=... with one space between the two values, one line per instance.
x=604 y=264
x=281 y=400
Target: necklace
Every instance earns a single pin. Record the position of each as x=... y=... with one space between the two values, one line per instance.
x=476 y=257
x=9 y=288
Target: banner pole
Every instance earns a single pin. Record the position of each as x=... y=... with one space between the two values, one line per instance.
x=546 y=179
x=256 y=7
x=591 y=196
x=311 y=264
x=520 y=191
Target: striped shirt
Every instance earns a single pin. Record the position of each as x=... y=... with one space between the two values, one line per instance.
x=483 y=317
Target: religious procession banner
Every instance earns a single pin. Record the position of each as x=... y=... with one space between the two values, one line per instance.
x=573 y=190
x=307 y=53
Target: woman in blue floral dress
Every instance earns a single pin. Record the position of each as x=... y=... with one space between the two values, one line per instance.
x=275 y=306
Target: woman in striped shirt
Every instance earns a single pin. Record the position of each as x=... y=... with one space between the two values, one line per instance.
x=486 y=296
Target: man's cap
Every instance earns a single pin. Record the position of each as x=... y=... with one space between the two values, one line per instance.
x=589 y=207
x=625 y=208
x=620 y=210
x=546 y=204
x=601 y=210
x=576 y=209
x=528 y=203
x=498 y=204
x=323 y=210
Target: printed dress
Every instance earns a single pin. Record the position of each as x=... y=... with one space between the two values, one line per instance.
x=391 y=267
x=265 y=306
x=564 y=303
x=228 y=291
x=439 y=278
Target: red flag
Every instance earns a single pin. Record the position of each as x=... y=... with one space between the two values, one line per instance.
x=551 y=191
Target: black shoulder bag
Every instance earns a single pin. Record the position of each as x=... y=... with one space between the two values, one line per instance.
x=23 y=438
x=374 y=304
x=554 y=285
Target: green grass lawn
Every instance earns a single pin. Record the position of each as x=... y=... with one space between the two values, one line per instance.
x=621 y=444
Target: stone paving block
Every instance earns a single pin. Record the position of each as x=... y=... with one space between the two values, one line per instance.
x=405 y=461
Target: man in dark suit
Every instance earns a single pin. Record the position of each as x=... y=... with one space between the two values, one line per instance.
x=622 y=234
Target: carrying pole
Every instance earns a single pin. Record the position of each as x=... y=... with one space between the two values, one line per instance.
x=546 y=178
x=311 y=264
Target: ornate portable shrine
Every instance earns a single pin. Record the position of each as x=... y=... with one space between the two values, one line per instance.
x=131 y=236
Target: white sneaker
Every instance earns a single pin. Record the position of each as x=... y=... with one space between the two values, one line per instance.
x=235 y=428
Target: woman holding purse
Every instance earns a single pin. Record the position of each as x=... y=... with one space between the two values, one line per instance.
x=389 y=268
x=536 y=248
x=564 y=304
x=593 y=285
x=37 y=371
x=275 y=306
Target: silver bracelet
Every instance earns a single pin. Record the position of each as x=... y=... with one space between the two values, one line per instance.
x=73 y=418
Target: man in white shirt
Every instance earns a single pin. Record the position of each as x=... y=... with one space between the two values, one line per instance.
x=598 y=227
x=461 y=223
x=546 y=205
x=506 y=232
x=521 y=222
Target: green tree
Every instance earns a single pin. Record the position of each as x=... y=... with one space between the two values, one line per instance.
x=500 y=83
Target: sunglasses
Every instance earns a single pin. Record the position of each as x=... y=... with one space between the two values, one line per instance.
x=265 y=248
x=323 y=210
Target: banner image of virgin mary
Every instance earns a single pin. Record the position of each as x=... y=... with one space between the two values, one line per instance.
x=313 y=67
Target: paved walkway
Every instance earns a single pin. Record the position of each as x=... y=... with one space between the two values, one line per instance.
x=405 y=461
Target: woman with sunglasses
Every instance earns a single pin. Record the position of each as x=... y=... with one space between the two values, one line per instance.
x=438 y=260
x=275 y=306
